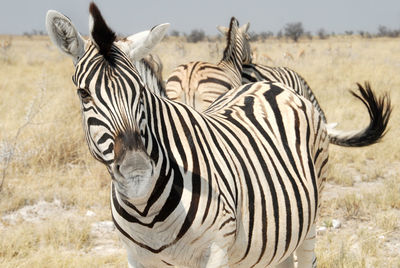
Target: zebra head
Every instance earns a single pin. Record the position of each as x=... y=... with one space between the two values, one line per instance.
x=109 y=89
x=239 y=36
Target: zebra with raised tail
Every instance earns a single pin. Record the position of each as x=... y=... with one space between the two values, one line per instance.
x=185 y=184
x=200 y=83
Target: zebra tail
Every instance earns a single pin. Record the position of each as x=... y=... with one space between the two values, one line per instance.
x=379 y=109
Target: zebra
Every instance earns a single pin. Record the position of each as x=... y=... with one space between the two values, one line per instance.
x=185 y=183
x=199 y=83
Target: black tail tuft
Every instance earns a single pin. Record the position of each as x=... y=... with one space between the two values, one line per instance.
x=379 y=109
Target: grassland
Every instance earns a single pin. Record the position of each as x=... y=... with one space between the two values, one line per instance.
x=54 y=201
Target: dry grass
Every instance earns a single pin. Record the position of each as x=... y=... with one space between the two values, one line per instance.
x=50 y=160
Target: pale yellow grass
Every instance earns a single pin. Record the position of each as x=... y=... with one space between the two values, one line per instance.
x=51 y=160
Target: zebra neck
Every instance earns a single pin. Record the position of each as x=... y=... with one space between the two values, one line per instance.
x=233 y=68
x=233 y=56
x=161 y=202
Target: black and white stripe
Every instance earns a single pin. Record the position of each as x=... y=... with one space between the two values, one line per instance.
x=200 y=83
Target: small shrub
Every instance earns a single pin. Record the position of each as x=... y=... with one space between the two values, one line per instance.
x=322 y=34
x=384 y=31
x=260 y=36
x=294 y=31
x=352 y=206
x=196 y=36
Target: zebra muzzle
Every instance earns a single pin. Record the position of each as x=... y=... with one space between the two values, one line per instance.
x=134 y=164
x=133 y=173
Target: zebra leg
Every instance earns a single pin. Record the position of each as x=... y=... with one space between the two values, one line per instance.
x=288 y=263
x=305 y=252
x=216 y=257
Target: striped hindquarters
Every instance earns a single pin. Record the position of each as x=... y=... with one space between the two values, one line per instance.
x=197 y=84
x=257 y=72
x=379 y=108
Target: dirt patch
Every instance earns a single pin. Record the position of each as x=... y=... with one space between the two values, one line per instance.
x=40 y=211
x=334 y=191
x=104 y=239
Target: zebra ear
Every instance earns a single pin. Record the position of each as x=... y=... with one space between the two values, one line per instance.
x=245 y=27
x=102 y=36
x=64 y=35
x=222 y=29
x=139 y=45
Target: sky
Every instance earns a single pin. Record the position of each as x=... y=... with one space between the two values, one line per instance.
x=130 y=16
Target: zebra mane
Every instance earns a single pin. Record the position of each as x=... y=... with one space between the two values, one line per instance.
x=230 y=38
x=101 y=34
x=150 y=76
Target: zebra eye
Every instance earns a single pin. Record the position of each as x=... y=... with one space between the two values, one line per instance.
x=84 y=94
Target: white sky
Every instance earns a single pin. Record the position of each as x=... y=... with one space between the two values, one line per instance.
x=130 y=16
